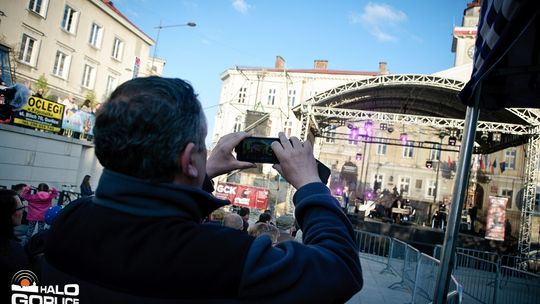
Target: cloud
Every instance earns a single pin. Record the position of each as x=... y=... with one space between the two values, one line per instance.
x=381 y=20
x=241 y=5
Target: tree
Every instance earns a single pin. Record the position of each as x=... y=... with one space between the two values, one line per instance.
x=42 y=83
x=91 y=95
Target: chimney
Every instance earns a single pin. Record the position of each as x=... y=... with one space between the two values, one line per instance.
x=280 y=63
x=382 y=68
x=320 y=64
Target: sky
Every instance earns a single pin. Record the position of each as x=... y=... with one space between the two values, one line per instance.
x=412 y=36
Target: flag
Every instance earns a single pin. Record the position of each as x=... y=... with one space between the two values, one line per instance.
x=503 y=166
x=449 y=162
x=482 y=164
x=493 y=166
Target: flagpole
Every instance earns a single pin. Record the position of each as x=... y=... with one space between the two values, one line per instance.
x=460 y=192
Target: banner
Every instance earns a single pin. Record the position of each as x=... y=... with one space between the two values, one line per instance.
x=79 y=121
x=244 y=196
x=41 y=114
x=496 y=218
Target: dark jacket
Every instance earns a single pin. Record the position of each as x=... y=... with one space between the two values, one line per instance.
x=86 y=190
x=139 y=242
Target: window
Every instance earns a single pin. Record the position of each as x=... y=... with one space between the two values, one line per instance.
x=242 y=95
x=431 y=188
x=510 y=159
x=408 y=150
x=435 y=153
x=61 y=65
x=404 y=183
x=508 y=193
x=38 y=6
x=377 y=182
x=381 y=149
x=288 y=128
x=418 y=184
x=28 y=51
x=271 y=97
x=112 y=82
x=89 y=76
x=96 y=32
x=118 y=49
x=237 y=124
x=5 y=70
x=330 y=134
x=291 y=98
x=69 y=21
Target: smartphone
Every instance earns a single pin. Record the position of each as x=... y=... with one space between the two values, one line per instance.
x=259 y=150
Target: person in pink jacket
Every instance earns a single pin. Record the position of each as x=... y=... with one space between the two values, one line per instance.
x=37 y=206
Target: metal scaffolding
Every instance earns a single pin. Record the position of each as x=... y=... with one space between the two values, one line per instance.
x=314 y=117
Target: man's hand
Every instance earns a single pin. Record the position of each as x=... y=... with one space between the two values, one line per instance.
x=221 y=160
x=296 y=161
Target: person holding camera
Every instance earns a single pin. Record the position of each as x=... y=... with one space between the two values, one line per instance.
x=141 y=240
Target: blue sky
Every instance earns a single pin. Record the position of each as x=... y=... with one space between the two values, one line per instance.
x=412 y=36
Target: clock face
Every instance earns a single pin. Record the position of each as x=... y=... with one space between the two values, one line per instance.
x=470 y=51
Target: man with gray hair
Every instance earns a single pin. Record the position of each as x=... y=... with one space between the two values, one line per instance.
x=233 y=220
x=140 y=239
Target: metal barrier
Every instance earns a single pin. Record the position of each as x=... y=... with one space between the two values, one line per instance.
x=518 y=286
x=455 y=296
x=374 y=246
x=478 y=277
x=396 y=260
x=417 y=271
x=485 y=255
x=425 y=279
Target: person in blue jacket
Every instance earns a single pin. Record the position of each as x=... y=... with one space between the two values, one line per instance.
x=141 y=238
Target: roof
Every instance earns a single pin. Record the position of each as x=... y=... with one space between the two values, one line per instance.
x=110 y=5
x=311 y=71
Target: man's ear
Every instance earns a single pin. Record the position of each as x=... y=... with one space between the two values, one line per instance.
x=188 y=168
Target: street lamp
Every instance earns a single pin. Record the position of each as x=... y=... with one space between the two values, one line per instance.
x=159 y=27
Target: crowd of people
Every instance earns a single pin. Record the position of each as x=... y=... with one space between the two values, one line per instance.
x=150 y=216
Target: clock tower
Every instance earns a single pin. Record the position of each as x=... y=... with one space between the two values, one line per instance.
x=464 y=36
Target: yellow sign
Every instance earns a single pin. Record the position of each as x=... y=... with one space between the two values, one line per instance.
x=44 y=107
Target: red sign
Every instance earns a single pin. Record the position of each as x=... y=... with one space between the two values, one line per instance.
x=245 y=196
x=496 y=218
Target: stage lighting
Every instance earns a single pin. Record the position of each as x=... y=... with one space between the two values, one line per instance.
x=452 y=140
x=359 y=156
x=383 y=126
x=484 y=136
x=429 y=164
x=496 y=137
x=368 y=127
x=354 y=133
x=369 y=195
x=403 y=137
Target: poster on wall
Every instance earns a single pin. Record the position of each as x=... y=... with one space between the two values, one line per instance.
x=41 y=114
x=496 y=218
x=243 y=196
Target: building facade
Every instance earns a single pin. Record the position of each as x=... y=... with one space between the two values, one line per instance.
x=79 y=46
x=260 y=100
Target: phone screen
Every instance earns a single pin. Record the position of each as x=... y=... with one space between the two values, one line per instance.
x=259 y=150
x=256 y=150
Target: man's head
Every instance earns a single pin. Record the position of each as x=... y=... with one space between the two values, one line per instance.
x=233 y=220
x=154 y=129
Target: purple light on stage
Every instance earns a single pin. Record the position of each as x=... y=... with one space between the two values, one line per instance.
x=369 y=195
x=354 y=133
x=359 y=156
x=403 y=138
x=339 y=191
x=368 y=127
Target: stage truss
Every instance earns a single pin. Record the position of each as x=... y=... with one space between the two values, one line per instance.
x=312 y=118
